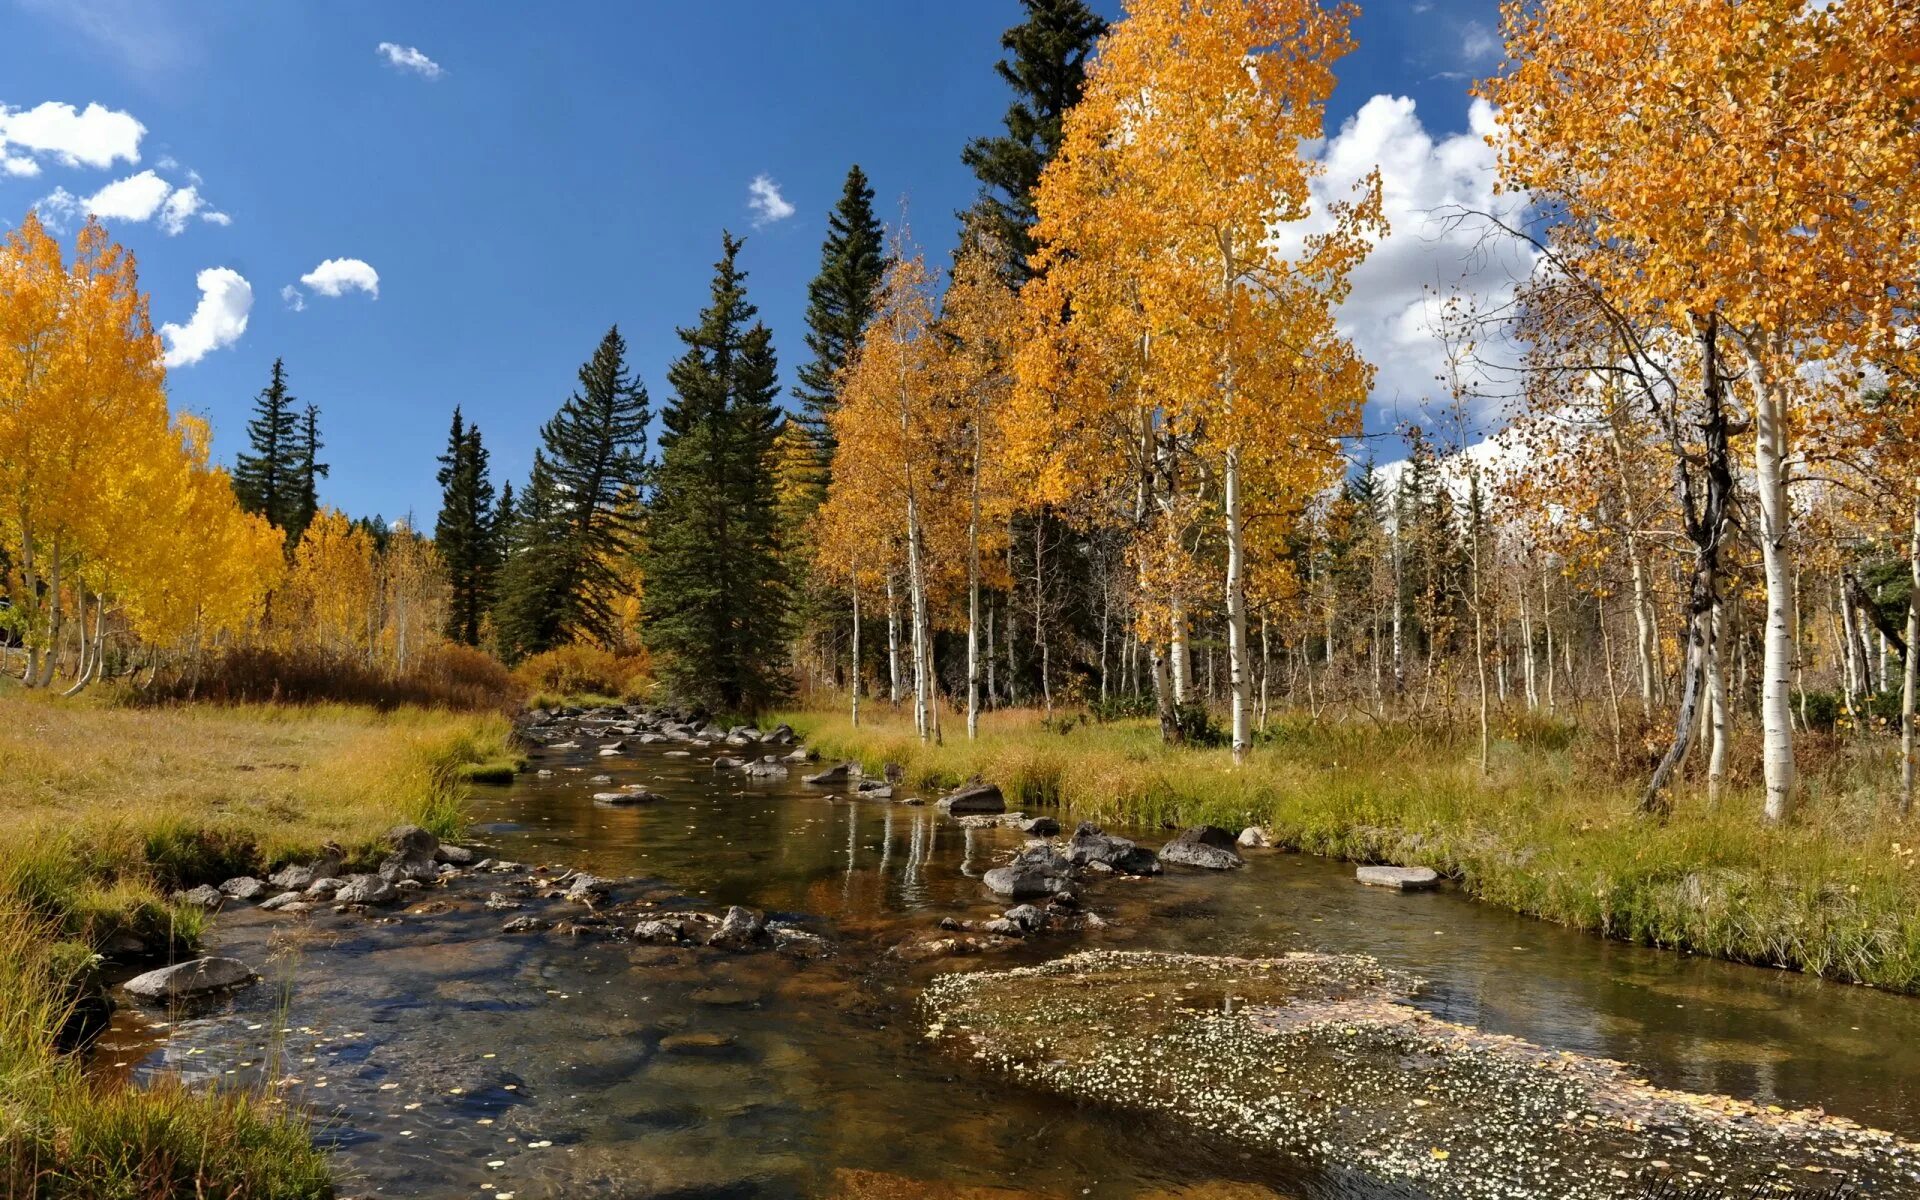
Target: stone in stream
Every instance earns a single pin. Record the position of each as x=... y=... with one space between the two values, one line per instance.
x=244 y=887
x=200 y=897
x=323 y=889
x=366 y=889
x=660 y=932
x=587 y=888
x=1029 y=918
x=1034 y=873
x=652 y=739
x=627 y=798
x=779 y=735
x=1208 y=847
x=1404 y=879
x=1253 y=837
x=973 y=797
x=524 y=925
x=1091 y=845
x=413 y=855
x=197 y=978
x=1039 y=827
x=873 y=789
x=501 y=901
x=834 y=776
x=727 y=762
x=740 y=929
x=765 y=768
x=281 y=901
x=454 y=856
x=600 y=779
x=799 y=756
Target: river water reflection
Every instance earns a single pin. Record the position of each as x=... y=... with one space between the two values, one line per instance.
x=447 y=1059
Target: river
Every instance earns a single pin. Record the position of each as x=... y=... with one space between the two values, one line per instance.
x=444 y=1058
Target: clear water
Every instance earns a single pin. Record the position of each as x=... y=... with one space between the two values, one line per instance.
x=446 y=1059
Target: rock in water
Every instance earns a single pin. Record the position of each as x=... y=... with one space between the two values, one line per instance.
x=413 y=855
x=1253 y=837
x=624 y=799
x=766 y=768
x=244 y=887
x=1090 y=845
x=588 y=888
x=728 y=763
x=1405 y=879
x=201 y=897
x=831 y=777
x=1039 y=827
x=457 y=856
x=741 y=929
x=660 y=932
x=1034 y=873
x=187 y=979
x=366 y=889
x=1205 y=846
x=973 y=797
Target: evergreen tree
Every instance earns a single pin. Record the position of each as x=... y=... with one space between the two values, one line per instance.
x=266 y=481
x=305 y=501
x=839 y=304
x=466 y=534
x=579 y=514
x=1046 y=66
x=717 y=597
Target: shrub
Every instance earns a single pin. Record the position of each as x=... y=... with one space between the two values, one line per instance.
x=446 y=675
x=583 y=670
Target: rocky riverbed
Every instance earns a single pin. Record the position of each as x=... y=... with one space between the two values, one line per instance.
x=656 y=972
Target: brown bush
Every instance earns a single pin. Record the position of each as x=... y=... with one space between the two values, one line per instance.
x=582 y=670
x=445 y=676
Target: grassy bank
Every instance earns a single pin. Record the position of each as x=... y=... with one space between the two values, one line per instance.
x=1545 y=832
x=104 y=811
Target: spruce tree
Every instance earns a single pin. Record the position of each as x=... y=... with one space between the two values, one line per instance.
x=304 y=503
x=465 y=533
x=839 y=304
x=266 y=481
x=1046 y=66
x=716 y=595
x=579 y=515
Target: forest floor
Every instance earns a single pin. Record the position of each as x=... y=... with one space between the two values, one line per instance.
x=106 y=810
x=1551 y=829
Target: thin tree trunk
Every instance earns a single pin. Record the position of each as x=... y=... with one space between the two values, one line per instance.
x=1238 y=672
x=855 y=590
x=893 y=643
x=1039 y=613
x=1910 y=677
x=1770 y=482
x=1717 y=704
x=973 y=597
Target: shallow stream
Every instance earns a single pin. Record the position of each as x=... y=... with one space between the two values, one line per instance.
x=447 y=1059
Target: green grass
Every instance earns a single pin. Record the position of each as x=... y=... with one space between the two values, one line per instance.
x=1550 y=831
x=105 y=810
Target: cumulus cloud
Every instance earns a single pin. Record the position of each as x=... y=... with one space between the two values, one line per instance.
x=408 y=58
x=141 y=197
x=768 y=205
x=294 y=298
x=1435 y=249
x=90 y=137
x=217 y=321
x=339 y=275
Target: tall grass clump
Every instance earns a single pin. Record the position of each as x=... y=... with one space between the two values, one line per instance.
x=1550 y=830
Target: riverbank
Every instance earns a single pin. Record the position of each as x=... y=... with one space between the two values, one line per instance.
x=1833 y=894
x=105 y=812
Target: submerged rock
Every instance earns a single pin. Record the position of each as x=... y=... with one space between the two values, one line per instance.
x=1405 y=879
x=1316 y=1056
x=624 y=799
x=1208 y=847
x=740 y=929
x=188 y=979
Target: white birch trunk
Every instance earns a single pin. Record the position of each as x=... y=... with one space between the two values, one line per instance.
x=1776 y=685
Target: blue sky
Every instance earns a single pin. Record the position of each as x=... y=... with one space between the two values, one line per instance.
x=518 y=179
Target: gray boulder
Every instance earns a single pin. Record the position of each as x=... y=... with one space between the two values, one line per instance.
x=766 y=768
x=244 y=887
x=1039 y=827
x=740 y=929
x=458 y=856
x=835 y=776
x=626 y=799
x=197 y=978
x=1404 y=879
x=1090 y=845
x=1034 y=873
x=727 y=762
x=1206 y=846
x=799 y=756
x=660 y=932
x=323 y=889
x=974 y=797
x=201 y=897
x=1029 y=918
x=276 y=903
x=1253 y=837
x=588 y=888
x=366 y=889
x=413 y=856
x=873 y=789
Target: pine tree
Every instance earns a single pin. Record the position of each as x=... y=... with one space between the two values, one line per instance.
x=839 y=305
x=1046 y=66
x=308 y=471
x=579 y=515
x=267 y=480
x=717 y=596
x=465 y=533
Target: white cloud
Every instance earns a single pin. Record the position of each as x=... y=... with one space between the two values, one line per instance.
x=141 y=197
x=407 y=58
x=1436 y=247
x=93 y=137
x=295 y=298
x=768 y=205
x=338 y=275
x=1477 y=42
x=218 y=320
